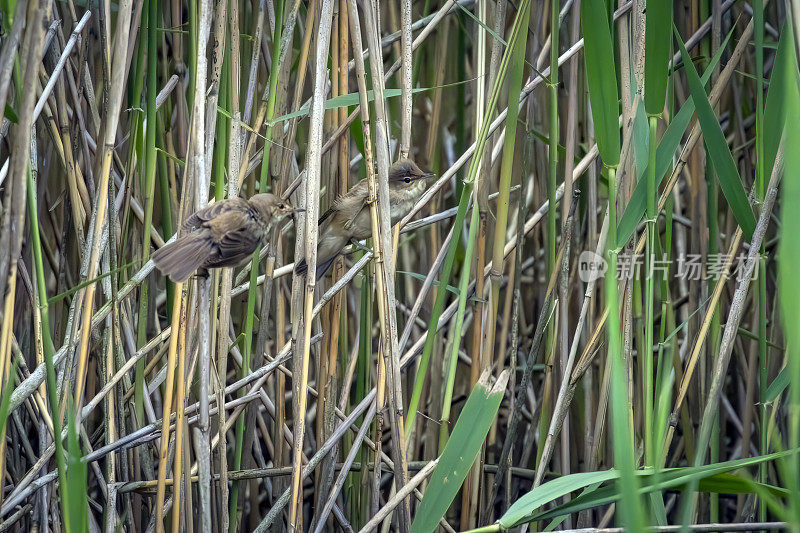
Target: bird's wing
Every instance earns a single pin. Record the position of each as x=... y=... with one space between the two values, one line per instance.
x=350 y=205
x=235 y=233
x=238 y=243
x=340 y=204
x=214 y=211
x=325 y=216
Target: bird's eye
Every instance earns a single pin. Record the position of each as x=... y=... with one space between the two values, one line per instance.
x=407 y=180
x=282 y=206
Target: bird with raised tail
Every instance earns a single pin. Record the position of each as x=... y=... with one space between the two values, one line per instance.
x=223 y=234
x=348 y=219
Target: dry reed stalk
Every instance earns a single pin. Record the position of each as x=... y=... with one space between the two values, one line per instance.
x=389 y=355
x=571 y=136
x=288 y=32
x=203 y=130
x=13 y=216
x=429 y=27
x=116 y=84
x=570 y=378
x=179 y=512
x=481 y=352
x=177 y=349
x=401 y=496
x=406 y=103
x=177 y=313
x=378 y=249
x=312 y=181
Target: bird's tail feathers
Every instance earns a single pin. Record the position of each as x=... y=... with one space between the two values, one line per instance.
x=323 y=267
x=179 y=259
x=302 y=267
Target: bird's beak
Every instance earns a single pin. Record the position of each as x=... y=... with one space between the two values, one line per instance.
x=428 y=175
x=298 y=210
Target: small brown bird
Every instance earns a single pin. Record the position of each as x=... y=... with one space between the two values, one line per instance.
x=348 y=219
x=226 y=233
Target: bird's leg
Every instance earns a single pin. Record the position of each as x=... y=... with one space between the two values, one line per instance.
x=202 y=273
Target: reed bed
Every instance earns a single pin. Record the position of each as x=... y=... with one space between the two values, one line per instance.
x=588 y=322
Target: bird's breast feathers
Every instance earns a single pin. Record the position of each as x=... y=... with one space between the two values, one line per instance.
x=401 y=202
